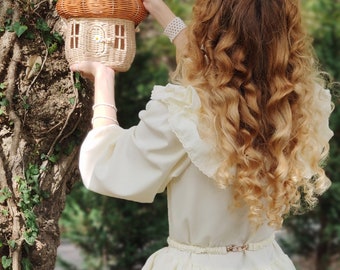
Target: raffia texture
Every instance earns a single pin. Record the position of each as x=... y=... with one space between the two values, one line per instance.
x=102 y=30
x=132 y=10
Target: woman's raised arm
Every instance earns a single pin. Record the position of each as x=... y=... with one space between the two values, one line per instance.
x=166 y=18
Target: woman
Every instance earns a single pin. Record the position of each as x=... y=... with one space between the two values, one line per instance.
x=237 y=141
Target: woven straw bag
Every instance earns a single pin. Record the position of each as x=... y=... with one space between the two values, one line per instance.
x=101 y=30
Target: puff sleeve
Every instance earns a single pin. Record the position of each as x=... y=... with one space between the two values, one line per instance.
x=136 y=163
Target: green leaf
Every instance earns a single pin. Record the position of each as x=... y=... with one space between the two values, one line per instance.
x=19 y=29
x=53 y=48
x=26 y=106
x=26 y=264
x=8 y=25
x=72 y=100
x=2 y=198
x=4 y=194
x=6 y=262
x=5 y=213
x=77 y=85
x=70 y=147
x=30 y=237
x=53 y=158
x=36 y=199
x=42 y=25
x=4 y=102
x=33 y=170
x=58 y=38
x=29 y=35
x=12 y=244
x=9 y=11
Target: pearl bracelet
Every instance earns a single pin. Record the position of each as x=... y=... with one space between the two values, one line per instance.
x=114 y=120
x=174 y=28
x=104 y=104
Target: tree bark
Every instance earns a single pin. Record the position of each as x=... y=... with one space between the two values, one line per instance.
x=40 y=113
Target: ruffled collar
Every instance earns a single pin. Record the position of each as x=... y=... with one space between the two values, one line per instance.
x=184 y=105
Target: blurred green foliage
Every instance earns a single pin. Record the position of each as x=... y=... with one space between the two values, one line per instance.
x=317 y=233
x=322 y=19
x=113 y=233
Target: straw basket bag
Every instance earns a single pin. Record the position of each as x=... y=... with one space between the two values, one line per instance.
x=101 y=30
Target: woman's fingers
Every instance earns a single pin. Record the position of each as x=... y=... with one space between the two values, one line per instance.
x=85 y=67
x=88 y=69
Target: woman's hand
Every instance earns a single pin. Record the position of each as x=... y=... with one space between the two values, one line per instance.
x=152 y=5
x=92 y=70
x=160 y=11
x=163 y=15
x=104 y=113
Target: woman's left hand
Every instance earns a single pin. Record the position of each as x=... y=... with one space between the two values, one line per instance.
x=91 y=70
x=104 y=84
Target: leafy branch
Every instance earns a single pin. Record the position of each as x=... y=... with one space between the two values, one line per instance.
x=30 y=196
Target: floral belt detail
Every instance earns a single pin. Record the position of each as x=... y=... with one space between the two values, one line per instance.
x=220 y=250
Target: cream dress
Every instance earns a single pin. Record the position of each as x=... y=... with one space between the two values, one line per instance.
x=165 y=151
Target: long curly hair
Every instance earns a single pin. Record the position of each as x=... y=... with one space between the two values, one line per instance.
x=254 y=69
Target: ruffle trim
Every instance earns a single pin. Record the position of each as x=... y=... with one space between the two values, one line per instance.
x=184 y=104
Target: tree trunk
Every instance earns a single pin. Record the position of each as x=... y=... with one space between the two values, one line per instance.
x=323 y=248
x=40 y=133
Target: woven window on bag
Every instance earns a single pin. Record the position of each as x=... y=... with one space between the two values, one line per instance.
x=119 y=37
x=74 y=40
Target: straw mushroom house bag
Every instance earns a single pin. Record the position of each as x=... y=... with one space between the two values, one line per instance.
x=102 y=30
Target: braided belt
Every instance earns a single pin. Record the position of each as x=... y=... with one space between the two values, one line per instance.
x=220 y=250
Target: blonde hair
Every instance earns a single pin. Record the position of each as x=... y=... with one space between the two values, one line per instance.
x=254 y=69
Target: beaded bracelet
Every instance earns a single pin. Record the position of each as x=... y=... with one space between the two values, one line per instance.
x=174 y=28
x=104 y=104
x=114 y=120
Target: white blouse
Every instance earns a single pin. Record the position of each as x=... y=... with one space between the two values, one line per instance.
x=165 y=151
